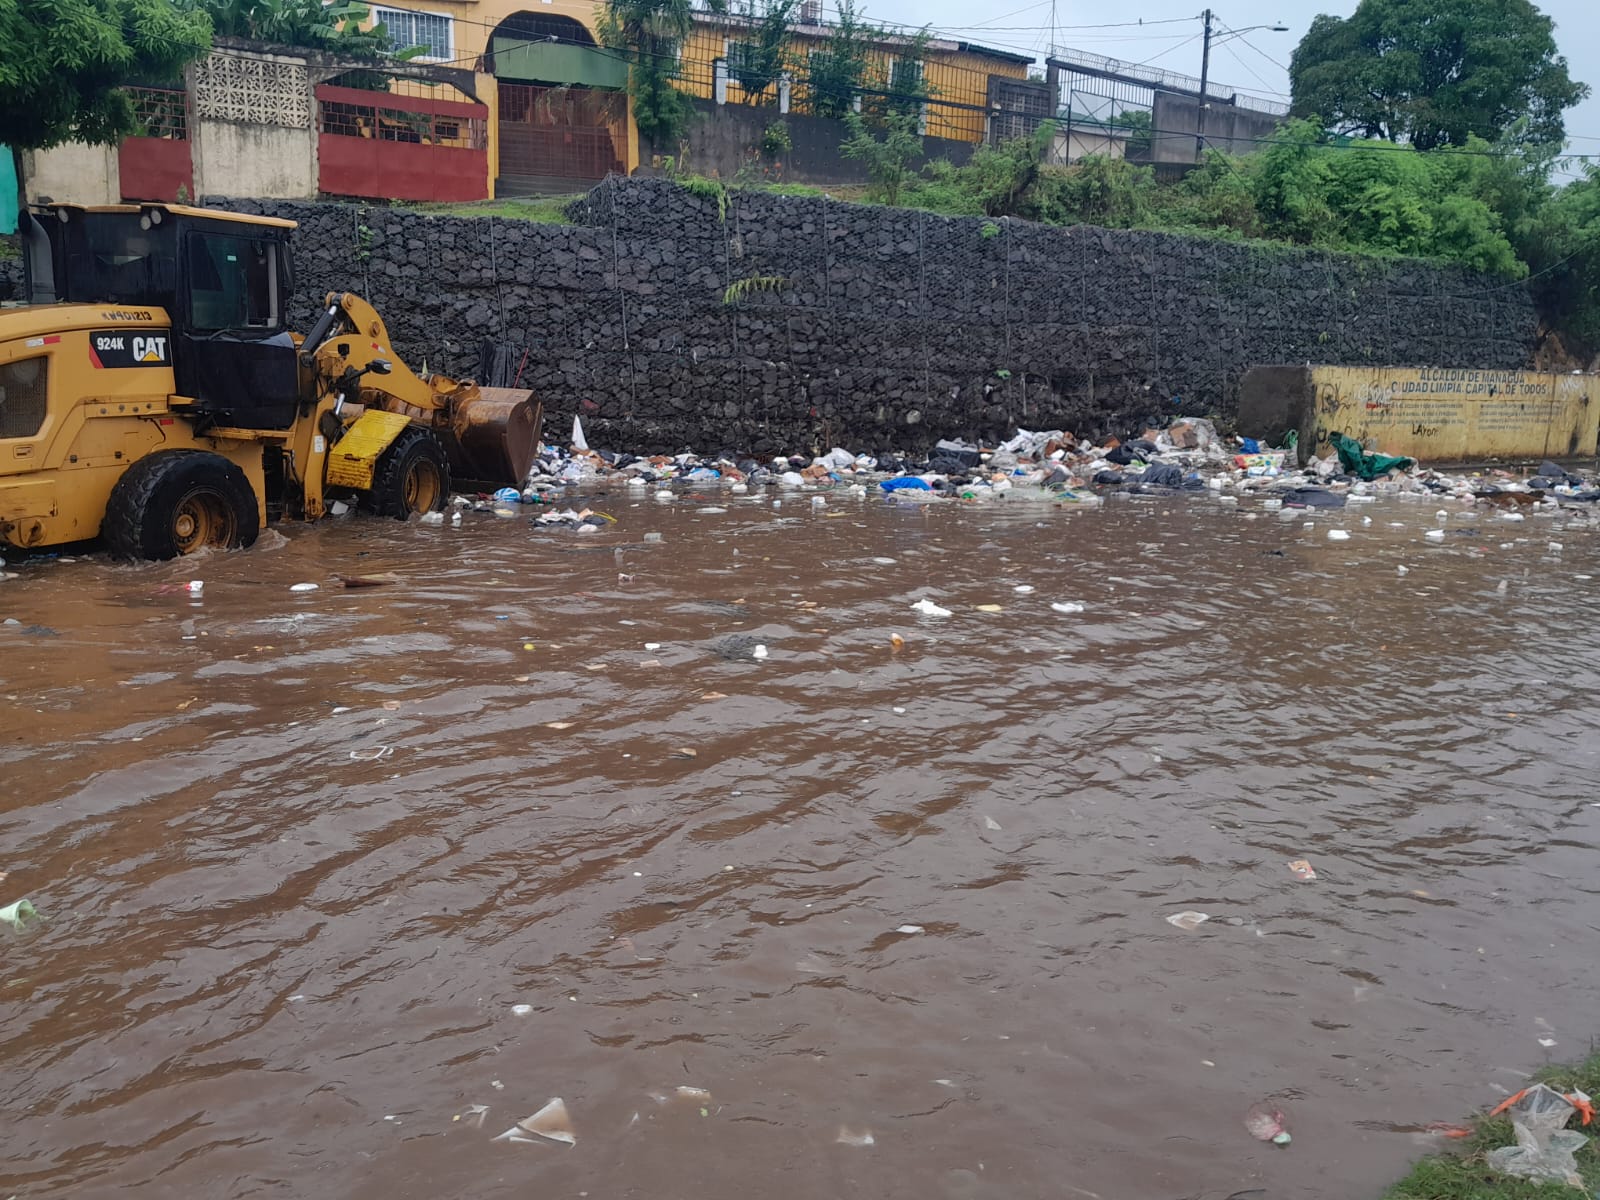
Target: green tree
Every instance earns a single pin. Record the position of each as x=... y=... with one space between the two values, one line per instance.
x=1137 y=125
x=756 y=63
x=1291 y=185
x=650 y=32
x=65 y=62
x=336 y=27
x=1562 y=244
x=1434 y=72
x=838 y=72
x=889 y=159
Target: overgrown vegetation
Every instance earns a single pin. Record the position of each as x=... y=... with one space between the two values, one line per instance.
x=651 y=32
x=739 y=289
x=756 y=61
x=838 y=72
x=707 y=189
x=1462 y=1172
x=546 y=210
x=889 y=160
x=1490 y=207
x=335 y=27
x=775 y=140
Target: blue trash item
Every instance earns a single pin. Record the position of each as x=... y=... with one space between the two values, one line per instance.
x=1249 y=446
x=906 y=483
x=508 y=496
x=8 y=192
x=703 y=473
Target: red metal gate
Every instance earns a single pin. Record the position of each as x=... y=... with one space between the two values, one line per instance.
x=155 y=164
x=395 y=147
x=554 y=134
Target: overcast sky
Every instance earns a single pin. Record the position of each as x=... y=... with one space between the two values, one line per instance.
x=1256 y=62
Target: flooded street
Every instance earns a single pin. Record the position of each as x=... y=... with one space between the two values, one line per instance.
x=299 y=855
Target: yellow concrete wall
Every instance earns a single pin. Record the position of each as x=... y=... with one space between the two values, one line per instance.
x=474 y=21
x=1458 y=415
x=955 y=77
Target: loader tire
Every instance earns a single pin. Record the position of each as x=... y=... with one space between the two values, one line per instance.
x=175 y=502
x=413 y=476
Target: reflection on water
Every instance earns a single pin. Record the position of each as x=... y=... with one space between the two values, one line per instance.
x=894 y=917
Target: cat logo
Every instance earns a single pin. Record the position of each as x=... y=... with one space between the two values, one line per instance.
x=114 y=348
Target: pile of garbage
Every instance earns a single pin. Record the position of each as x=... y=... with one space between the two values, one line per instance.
x=1188 y=455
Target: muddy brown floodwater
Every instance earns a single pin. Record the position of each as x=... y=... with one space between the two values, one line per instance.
x=274 y=964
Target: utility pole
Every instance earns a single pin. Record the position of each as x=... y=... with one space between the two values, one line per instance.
x=1205 y=67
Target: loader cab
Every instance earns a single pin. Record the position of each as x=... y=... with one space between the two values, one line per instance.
x=224 y=279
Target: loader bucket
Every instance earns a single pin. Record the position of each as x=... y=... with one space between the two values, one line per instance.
x=494 y=436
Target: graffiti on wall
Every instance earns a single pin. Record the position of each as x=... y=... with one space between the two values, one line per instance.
x=1448 y=414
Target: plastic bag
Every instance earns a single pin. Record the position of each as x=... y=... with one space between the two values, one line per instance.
x=1544 y=1146
x=1266 y=1121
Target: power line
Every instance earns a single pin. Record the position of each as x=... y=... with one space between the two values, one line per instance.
x=1192 y=38
x=1265 y=85
x=1264 y=54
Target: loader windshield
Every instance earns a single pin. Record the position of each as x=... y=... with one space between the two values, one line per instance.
x=233 y=282
x=110 y=259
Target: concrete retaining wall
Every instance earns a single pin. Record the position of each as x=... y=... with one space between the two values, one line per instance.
x=873 y=327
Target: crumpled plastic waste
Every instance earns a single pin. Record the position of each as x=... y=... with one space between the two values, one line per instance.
x=1545 y=1146
x=572 y=518
x=1266 y=1123
x=551 y=1122
x=1051 y=466
x=18 y=913
x=1368 y=466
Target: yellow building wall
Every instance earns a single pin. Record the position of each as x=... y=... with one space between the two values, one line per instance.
x=958 y=81
x=1457 y=415
x=473 y=23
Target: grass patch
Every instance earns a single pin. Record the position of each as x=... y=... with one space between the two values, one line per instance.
x=851 y=193
x=1463 y=1172
x=547 y=210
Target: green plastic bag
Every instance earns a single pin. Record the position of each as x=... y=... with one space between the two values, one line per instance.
x=1369 y=466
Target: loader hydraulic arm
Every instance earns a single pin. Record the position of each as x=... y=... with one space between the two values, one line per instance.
x=489 y=434
x=351 y=334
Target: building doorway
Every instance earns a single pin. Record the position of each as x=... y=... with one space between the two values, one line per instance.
x=563 y=118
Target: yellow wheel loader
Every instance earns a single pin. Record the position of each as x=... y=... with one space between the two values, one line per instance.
x=152 y=395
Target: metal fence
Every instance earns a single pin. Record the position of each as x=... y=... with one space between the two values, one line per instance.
x=1165 y=81
x=947 y=86
x=393 y=122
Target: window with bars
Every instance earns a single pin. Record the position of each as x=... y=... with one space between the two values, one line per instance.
x=407 y=29
x=159 y=112
x=382 y=124
x=741 y=58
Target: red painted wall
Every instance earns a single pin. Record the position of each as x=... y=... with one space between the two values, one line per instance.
x=154 y=169
x=349 y=165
